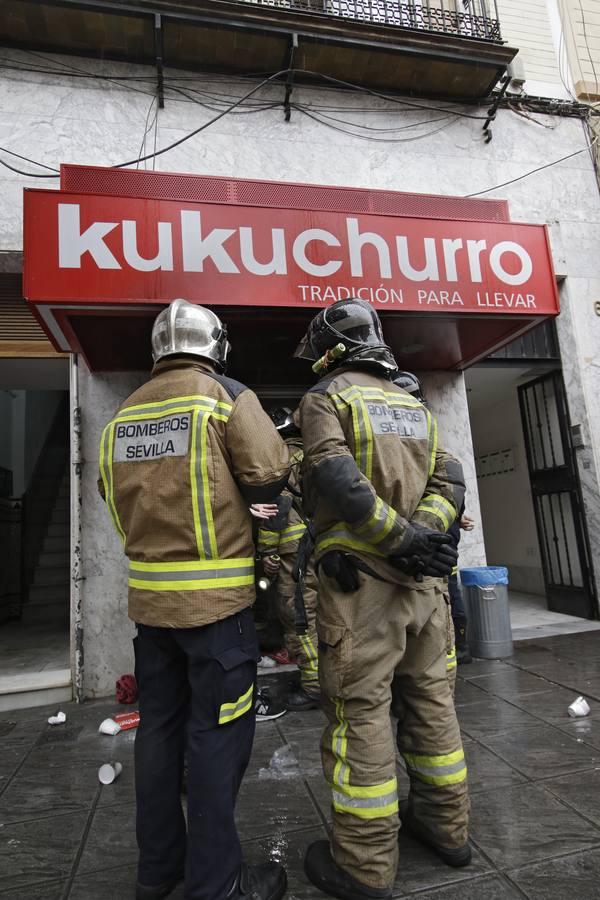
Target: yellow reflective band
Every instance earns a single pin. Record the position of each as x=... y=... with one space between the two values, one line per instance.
x=191 y=575
x=433 y=441
x=451 y=659
x=367 y=802
x=371 y=393
x=340 y=536
x=191 y=565
x=267 y=540
x=339 y=745
x=438 y=770
x=106 y=472
x=292 y=533
x=204 y=584
x=310 y=651
x=454 y=570
x=230 y=711
x=210 y=526
x=438 y=506
x=380 y=523
x=210 y=402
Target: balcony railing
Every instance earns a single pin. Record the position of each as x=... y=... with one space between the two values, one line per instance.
x=470 y=19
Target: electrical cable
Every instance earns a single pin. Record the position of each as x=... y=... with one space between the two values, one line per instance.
x=26 y=159
x=532 y=172
x=366 y=137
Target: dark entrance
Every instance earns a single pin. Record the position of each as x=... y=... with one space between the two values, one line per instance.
x=556 y=496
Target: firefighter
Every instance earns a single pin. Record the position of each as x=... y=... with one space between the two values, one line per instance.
x=180 y=461
x=409 y=382
x=279 y=543
x=382 y=495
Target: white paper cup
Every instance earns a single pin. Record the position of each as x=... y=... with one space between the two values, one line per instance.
x=579 y=707
x=109 y=726
x=109 y=772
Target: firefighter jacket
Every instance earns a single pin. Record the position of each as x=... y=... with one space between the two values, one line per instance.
x=179 y=463
x=372 y=465
x=286 y=529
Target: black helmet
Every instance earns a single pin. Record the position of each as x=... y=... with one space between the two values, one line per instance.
x=283 y=419
x=409 y=383
x=348 y=330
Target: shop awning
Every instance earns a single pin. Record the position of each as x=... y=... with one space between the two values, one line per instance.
x=453 y=278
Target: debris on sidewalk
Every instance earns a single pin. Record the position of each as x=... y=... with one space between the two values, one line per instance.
x=578 y=708
x=59 y=719
x=120 y=722
x=126 y=689
x=109 y=726
x=109 y=772
x=283 y=764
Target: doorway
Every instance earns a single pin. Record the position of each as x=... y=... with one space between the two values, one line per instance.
x=525 y=509
x=34 y=532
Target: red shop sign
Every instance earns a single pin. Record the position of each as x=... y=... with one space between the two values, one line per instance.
x=85 y=247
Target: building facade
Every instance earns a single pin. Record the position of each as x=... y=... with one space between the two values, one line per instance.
x=391 y=99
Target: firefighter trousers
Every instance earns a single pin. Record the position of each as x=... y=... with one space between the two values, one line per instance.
x=382 y=649
x=196 y=700
x=302 y=647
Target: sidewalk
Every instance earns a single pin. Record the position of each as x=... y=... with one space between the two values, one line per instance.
x=534 y=775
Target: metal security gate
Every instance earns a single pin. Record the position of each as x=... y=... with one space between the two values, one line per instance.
x=556 y=496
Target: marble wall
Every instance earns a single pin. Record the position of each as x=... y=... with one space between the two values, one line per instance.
x=56 y=118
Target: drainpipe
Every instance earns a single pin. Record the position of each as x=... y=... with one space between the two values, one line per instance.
x=76 y=499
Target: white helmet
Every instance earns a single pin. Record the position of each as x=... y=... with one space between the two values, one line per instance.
x=187 y=328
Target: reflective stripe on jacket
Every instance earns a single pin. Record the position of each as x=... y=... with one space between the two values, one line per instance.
x=179 y=464
x=372 y=464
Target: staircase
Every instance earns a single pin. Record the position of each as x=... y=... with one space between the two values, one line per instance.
x=48 y=597
x=46 y=530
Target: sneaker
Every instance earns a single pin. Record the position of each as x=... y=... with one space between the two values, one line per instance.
x=300 y=700
x=265 y=709
x=266 y=662
x=281 y=657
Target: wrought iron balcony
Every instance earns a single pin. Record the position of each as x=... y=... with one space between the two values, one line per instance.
x=435 y=48
x=477 y=19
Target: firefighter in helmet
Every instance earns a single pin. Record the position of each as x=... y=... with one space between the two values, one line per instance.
x=285 y=544
x=382 y=495
x=409 y=382
x=180 y=461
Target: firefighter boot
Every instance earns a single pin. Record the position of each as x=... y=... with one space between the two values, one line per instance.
x=267 y=881
x=463 y=654
x=322 y=870
x=452 y=856
x=301 y=700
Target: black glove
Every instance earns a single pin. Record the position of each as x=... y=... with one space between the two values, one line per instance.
x=340 y=566
x=427 y=552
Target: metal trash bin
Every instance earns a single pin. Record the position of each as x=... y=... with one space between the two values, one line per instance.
x=486 y=596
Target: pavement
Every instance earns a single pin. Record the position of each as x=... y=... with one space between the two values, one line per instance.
x=534 y=777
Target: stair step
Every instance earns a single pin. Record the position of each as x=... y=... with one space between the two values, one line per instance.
x=58 y=544
x=57 y=559
x=50 y=576
x=59 y=515
x=35 y=689
x=48 y=612
x=42 y=594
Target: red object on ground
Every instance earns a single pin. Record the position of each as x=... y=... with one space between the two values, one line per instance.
x=127 y=689
x=282 y=657
x=127 y=720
